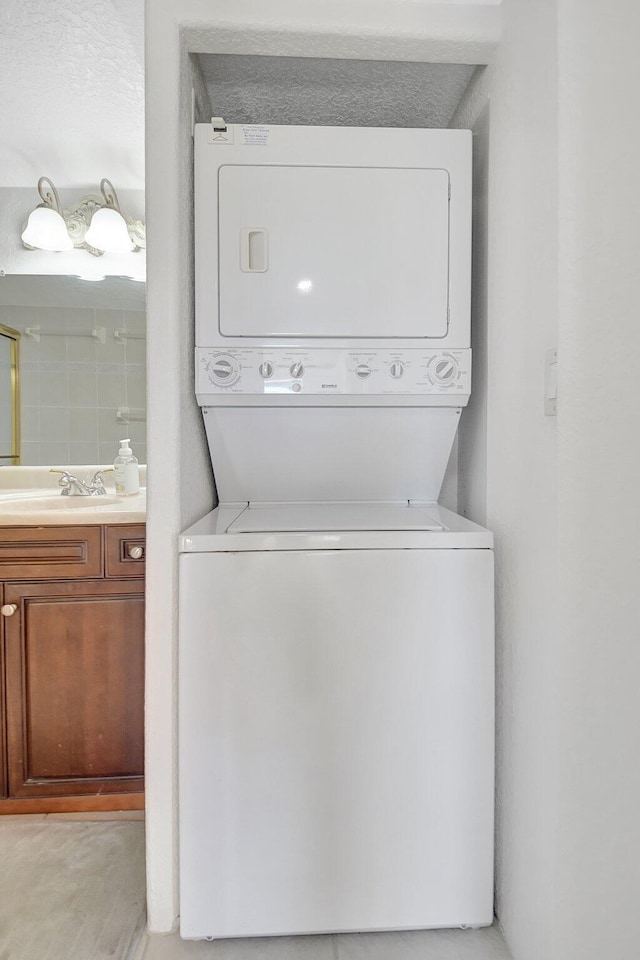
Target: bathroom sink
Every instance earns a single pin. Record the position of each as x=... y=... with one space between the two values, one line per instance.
x=38 y=503
x=47 y=507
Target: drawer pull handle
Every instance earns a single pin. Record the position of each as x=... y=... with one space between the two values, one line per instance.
x=136 y=553
x=9 y=609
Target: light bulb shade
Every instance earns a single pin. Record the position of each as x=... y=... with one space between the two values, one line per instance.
x=46 y=230
x=108 y=232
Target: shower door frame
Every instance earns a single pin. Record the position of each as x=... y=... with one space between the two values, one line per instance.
x=13 y=458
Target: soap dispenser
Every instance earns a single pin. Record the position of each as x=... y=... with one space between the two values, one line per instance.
x=126 y=470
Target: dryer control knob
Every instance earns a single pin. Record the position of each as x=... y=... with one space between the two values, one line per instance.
x=444 y=370
x=266 y=370
x=396 y=369
x=296 y=370
x=363 y=371
x=223 y=371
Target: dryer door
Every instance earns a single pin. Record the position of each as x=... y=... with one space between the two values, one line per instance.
x=333 y=251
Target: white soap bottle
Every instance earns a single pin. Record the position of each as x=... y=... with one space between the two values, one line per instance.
x=125 y=466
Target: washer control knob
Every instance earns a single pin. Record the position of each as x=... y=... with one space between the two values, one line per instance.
x=223 y=371
x=396 y=369
x=444 y=370
x=266 y=370
x=363 y=371
x=296 y=370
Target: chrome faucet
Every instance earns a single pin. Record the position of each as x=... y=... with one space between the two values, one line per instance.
x=74 y=487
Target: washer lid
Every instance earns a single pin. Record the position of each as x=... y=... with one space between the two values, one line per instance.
x=320 y=517
x=372 y=525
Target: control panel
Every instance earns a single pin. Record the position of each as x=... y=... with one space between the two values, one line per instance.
x=292 y=371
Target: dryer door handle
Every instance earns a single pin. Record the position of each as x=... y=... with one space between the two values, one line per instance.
x=254 y=250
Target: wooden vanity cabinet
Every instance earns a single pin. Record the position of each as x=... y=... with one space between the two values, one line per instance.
x=3 y=725
x=73 y=677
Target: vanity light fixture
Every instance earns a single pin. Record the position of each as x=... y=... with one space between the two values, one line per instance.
x=95 y=224
x=108 y=229
x=46 y=228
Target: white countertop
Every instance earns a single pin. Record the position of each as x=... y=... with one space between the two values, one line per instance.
x=30 y=496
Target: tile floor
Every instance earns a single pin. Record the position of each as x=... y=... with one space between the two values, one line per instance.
x=73 y=887
x=486 y=944
x=86 y=816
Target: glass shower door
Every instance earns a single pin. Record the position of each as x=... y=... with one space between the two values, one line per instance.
x=9 y=397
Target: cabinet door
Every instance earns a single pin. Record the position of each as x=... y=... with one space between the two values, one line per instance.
x=3 y=725
x=75 y=688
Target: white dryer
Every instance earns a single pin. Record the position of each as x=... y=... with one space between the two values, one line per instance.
x=336 y=624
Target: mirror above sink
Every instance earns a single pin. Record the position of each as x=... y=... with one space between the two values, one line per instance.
x=81 y=366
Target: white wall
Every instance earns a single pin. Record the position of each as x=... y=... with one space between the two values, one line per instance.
x=180 y=486
x=179 y=477
x=562 y=251
x=72 y=78
x=515 y=317
x=598 y=664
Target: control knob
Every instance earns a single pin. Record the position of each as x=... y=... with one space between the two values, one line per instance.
x=363 y=371
x=223 y=371
x=396 y=369
x=296 y=370
x=444 y=370
x=266 y=370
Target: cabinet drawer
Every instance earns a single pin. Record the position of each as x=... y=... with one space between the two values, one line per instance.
x=45 y=553
x=125 y=550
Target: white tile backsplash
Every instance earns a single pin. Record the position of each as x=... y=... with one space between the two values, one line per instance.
x=112 y=390
x=54 y=348
x=54 y=424
x=29 y=386
x=83 y=388
x=54 y=389
x=83 y=424
x=136 y=389
x=136 y=351
x=30 y=453
x=30 y=424
x=85 y=452
x=71 y=386
x=109 y=430
x=55 y=452
x=82 y=349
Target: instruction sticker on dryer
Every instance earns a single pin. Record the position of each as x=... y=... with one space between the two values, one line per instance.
x=255 y=135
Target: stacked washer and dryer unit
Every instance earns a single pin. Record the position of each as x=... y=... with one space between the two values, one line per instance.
x=336 y=623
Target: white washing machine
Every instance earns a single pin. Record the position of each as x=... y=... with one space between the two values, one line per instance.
x=336 y=623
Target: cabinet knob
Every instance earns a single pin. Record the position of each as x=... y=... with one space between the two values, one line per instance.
x=8 y=609
x=136 y=553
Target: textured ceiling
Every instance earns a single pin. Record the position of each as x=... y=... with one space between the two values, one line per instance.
x=301 y=90
x=72 y=75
